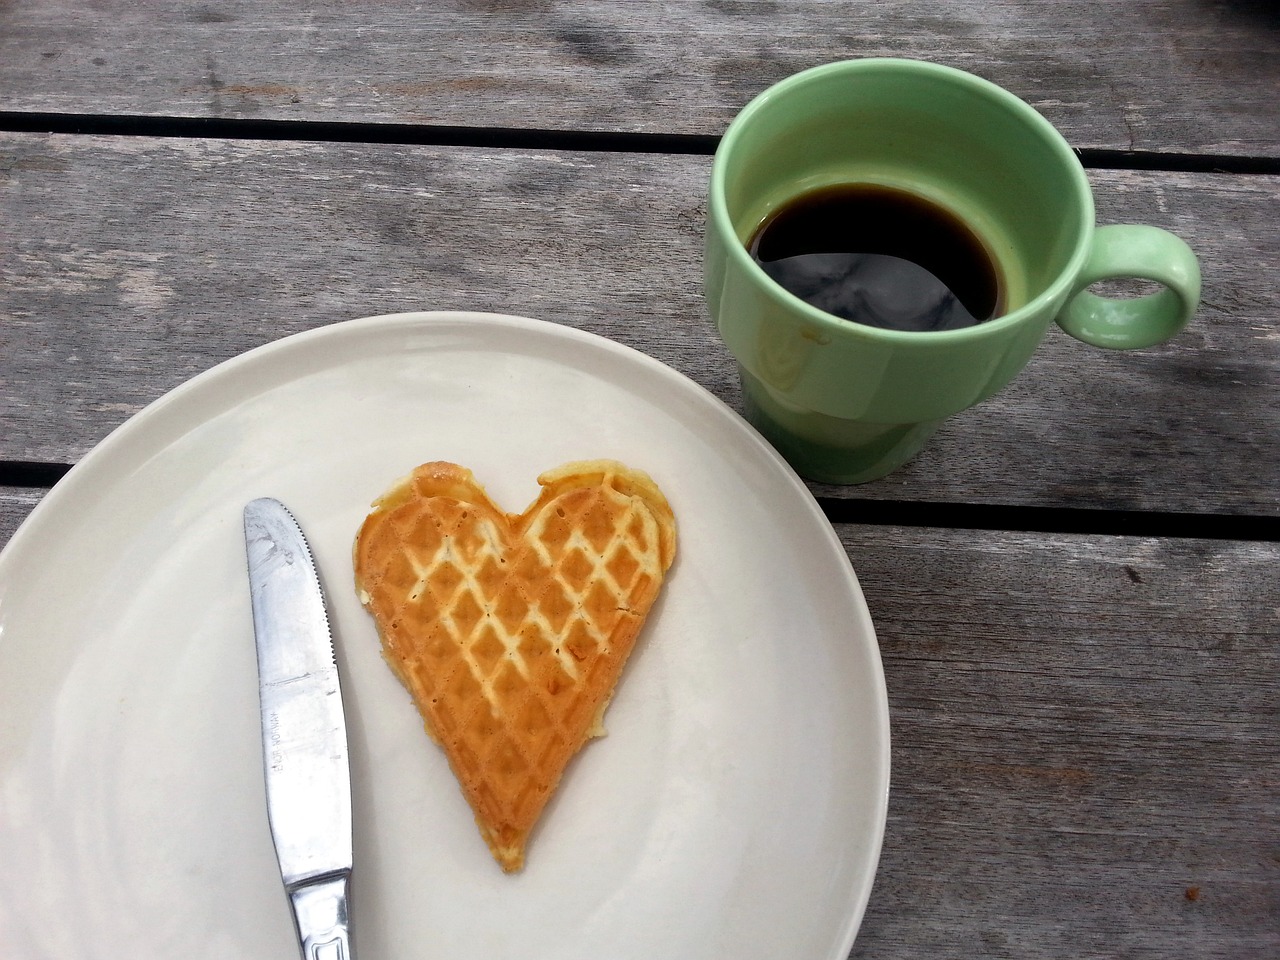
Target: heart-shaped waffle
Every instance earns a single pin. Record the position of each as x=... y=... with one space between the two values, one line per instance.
x=511 y=630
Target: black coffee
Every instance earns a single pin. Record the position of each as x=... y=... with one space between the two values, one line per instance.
x=879 y=256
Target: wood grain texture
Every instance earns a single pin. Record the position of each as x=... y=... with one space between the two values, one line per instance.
x=142 y=262
x=1164 y=75
x=1086 y=746
x=15 y=505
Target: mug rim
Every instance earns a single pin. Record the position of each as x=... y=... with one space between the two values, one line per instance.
x=719 y=213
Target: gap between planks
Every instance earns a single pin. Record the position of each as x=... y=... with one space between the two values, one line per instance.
x=524 y=139
x=916 y=513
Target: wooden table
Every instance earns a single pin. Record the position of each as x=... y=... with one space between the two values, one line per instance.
x=1074 y=586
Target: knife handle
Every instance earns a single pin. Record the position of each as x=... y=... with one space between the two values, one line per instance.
x=324 y=924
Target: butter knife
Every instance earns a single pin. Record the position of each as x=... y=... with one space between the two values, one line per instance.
x=304 y=736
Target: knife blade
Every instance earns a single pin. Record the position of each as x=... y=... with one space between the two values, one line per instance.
x=304 y=737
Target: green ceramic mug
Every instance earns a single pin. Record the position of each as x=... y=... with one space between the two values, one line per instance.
x=846 y=402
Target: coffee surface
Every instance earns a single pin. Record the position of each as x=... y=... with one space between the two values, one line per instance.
x=879 y=256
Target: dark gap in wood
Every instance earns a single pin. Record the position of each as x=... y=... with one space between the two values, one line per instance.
x=526 y=139
x=29 y=473
x=1069 y=520
x=908 y=513
x=349 y=132
x=1176 y=162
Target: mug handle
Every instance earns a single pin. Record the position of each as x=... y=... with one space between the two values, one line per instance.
x=1126 y=251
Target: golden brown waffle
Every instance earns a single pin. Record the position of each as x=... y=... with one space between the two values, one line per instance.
x=511 y=630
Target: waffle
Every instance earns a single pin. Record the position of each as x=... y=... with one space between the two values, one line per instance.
x=511 y=630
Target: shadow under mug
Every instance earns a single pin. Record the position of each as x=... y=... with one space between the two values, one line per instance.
x=845 y=402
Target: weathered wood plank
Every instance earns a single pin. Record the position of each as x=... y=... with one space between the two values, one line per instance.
x=1167 y=75
x=1086 y=745
x=15 y=504
x=142 y=262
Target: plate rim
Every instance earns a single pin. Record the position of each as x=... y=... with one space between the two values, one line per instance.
x=101 y=456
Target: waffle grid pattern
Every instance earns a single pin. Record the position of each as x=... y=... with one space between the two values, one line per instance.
x=511 y=631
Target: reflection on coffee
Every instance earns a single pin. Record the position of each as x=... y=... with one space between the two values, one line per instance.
x=879 y=256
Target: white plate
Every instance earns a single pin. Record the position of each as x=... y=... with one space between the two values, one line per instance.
x=735 y=810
